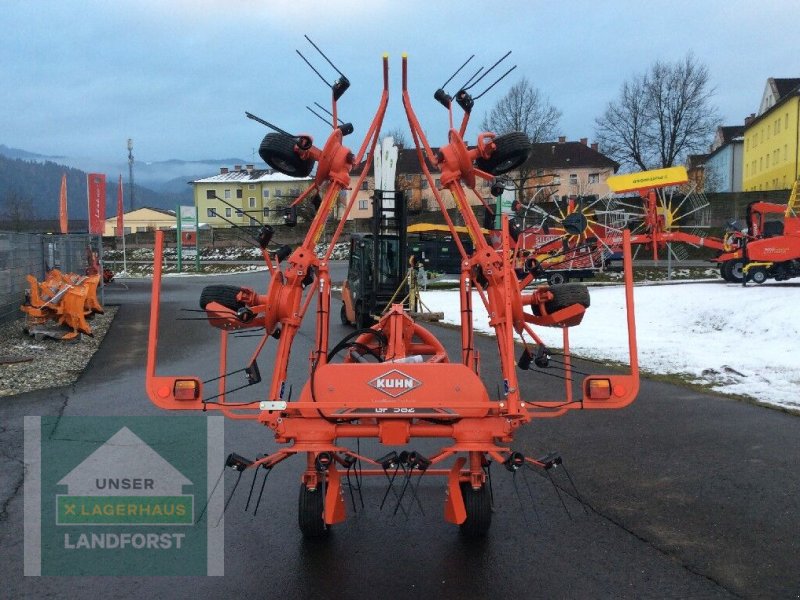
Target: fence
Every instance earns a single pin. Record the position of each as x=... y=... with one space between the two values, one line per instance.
x=23 y=254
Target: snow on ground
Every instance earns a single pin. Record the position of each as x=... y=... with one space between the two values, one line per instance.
x=739 y=340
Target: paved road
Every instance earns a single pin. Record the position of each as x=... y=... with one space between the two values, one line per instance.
x=686 y=494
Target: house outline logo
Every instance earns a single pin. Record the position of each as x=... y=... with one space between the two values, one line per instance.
x=124 y=482
x=394 y=383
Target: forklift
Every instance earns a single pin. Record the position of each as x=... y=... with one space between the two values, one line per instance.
x=378 y=263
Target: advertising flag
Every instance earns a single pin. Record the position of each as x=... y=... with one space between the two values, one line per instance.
x=96 y=187
x=120 y=210
x=62 y=205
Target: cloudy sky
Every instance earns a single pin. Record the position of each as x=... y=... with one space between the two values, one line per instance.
x=79 y=77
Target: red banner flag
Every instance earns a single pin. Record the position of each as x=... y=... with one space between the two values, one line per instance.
x=96 y=187
x=62 y=205
x=120 y=210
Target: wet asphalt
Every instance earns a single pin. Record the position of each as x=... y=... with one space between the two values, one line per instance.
x=683 y=494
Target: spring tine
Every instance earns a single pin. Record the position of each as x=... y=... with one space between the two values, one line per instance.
x=252 y=485
x=214 y=489
x=406 y=479
x=519 y=496
x=558 y=492
x=414 y=494
x=263 y=483
x=325 y=57
x=533 y=501
x=390 y=487
x=314 y=69
x=575 y=489
x=350 y=489
x=457 y=71
x=230 y=497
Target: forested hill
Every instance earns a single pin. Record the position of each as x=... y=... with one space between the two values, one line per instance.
x=37 y=185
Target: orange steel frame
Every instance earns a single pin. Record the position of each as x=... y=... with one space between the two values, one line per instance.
x=437 y=398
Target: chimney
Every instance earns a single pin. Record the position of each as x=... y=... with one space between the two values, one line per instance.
x=237 y=167
x=223 y=170
x=585 y=141
x=249 y=167
x=750 y=119
x=594 y=147
x=562 y=139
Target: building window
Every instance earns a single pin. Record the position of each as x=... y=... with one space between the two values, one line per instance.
x=278 y=193
x=251 y=186
x=594 y=177
x=438 y=183
x=265 y=193
x=294 y=192
x=539 y=172
x=556 y=179
x=785 y=147
x=252 y=201
x=362 y=205
x=424 y=184
x=253 y=222
x=211 y=212
x=239 y=193
x=365 y=185
x=211 y=194
x=768 y=161
x=228 y=212
x=239 y=212
x=266 y=212
x=138 y=229
x=227 y=194
x=573 y=179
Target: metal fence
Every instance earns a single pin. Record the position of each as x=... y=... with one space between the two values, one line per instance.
x=23 y=254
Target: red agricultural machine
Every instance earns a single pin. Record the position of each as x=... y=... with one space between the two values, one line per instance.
x=394 y=381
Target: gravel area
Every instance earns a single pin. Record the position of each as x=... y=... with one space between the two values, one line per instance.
x=54 y=363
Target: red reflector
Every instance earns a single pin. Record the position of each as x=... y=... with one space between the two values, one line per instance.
x=186 y=389
x=599 y=389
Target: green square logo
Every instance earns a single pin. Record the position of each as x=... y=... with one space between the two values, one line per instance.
x=123 y=496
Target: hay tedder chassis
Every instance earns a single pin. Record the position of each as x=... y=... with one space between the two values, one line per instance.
x=394 y=381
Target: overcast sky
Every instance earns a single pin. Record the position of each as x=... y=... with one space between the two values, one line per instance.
x=79 y=77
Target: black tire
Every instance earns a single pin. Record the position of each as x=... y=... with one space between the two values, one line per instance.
x=478 y=504
x=725 y=271
x=343 y=315
x=758 y=275
x=309 y=513
x=735 y=270
x=511 y=150
x=363 y=319
x=277 y=150
x=565 y=295
x=221 y=294
x=557 y=278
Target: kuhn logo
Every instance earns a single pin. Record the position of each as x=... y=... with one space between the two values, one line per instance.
x=394 y=383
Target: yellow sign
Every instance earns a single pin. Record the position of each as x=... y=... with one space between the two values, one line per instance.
x=647 y=179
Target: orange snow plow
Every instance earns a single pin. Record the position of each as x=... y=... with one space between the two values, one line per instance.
x=64 y=298
x=394 y=381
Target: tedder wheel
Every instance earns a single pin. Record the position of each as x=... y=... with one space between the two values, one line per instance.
x=277 y=150
x=758 y=275
x=735 y=270
x=343 y=315
x=478 y=504
x=557 y=278
x=511 y=150
x=565 y=295
x=221 y=294
x=309 y=513
x=725 y=271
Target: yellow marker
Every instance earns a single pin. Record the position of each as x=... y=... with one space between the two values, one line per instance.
x=385 y=55
x=404 y=55
x=647 y=179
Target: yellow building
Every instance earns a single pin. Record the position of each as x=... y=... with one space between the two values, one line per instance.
x=772 y=138
x=141 y=219
x=245 y=196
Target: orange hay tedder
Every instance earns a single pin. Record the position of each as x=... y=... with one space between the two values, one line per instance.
x=394 y=381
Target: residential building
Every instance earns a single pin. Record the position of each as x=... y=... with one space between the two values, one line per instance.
x=772 y=138
x=724 y=165
x=141 y=219
x=696 y=170
x=562 y=169
x=245 y=196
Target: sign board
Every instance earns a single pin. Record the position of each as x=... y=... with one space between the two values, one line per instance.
x=643 y=180
x=385 y=168
x=188 y=217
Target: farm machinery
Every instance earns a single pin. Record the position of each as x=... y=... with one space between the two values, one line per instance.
x=394 y=381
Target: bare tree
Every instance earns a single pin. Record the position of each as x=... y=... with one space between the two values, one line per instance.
x=399 y=135
x=660 y=117
x=524 y=109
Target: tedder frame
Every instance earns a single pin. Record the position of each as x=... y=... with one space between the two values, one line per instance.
x=396 y=381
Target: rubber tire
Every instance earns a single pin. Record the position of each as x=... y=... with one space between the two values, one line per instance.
x=557 y=279
x=735 y=270
x=511 y=150
x=725 y=271
x=221 y=294
x=565 y=295
x=343 y=315
x=363 y=320
x=758 y=275
x=478 y=504
x=277 y=150
x=309 y=514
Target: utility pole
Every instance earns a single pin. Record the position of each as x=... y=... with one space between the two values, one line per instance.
x=130 y=172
